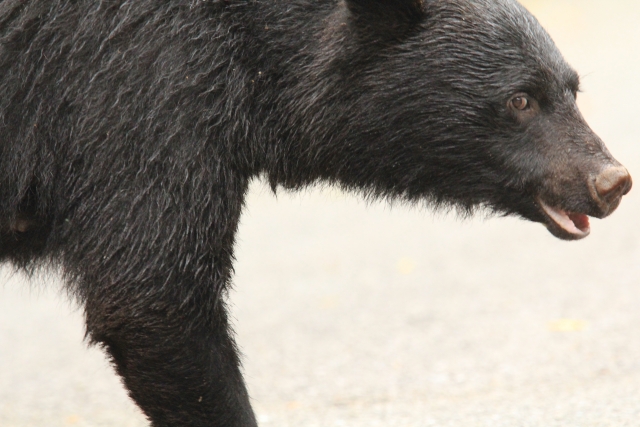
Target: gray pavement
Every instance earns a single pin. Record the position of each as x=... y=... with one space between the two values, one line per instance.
x=355 y=314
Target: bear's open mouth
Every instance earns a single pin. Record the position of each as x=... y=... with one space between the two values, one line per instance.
x=565 y=224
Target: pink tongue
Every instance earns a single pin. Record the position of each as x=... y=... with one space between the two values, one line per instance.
x=573 y=223
x=581 y=221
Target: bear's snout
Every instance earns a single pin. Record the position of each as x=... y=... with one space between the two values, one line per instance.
x=610 y=185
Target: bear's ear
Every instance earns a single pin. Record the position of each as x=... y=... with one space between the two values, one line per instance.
x=386 y=11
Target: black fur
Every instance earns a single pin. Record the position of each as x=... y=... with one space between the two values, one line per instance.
x=130 y=130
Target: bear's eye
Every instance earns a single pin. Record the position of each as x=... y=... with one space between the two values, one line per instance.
x=520 y=103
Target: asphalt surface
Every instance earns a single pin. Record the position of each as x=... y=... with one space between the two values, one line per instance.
x=356 y=314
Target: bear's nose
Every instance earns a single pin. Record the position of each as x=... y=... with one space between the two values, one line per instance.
x=613 y=183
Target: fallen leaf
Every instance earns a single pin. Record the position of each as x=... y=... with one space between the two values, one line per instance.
x=567 y=325
x=405 y=266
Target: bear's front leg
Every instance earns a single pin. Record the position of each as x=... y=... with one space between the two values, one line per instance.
x=152 y=269
x=175 y=354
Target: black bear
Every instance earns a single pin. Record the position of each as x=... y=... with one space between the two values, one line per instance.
x=130 y=130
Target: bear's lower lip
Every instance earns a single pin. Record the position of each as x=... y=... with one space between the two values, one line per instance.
x=564 y=224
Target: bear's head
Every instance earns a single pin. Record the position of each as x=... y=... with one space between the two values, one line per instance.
x=464 y=103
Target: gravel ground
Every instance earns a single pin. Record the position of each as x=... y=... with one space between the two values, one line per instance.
x=355 y=314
